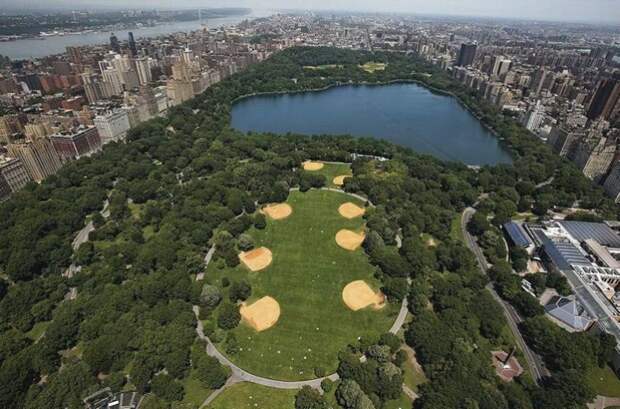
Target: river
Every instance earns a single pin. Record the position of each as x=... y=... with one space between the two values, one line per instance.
x=406 y=114
x=41 y=47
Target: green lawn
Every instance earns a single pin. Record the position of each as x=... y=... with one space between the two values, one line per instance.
x=371 y=67
x=308 y=273
x=331 y=170
x=249 y=395
x=403 y=403
x=412 y=377
x=455 y=229
x=604 y=381
x=38 y=330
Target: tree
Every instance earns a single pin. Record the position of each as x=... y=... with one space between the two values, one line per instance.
x=210 y=372
x=391 y=340
x=210 y=296
x=350 y=396
x=478 y=224
x=260 y=222
x=245 y=242
x=228 y=317
x=308 y=398
x=239 y=290
x=166 y=387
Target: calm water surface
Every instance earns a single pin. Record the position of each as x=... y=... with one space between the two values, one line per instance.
x=407 y=114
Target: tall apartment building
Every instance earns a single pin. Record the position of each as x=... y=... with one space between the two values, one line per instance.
x=13 y=176
x=35 y=130
x=112 y=126
x=612 y=183
x=39 y=158
x=466 y=55
x=605 y=99
x=75 y=145
x=594 y=156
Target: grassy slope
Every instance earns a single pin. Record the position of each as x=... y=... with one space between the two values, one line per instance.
x=331 y=170
x=248 y=395
x=604 y=381
x=306 y=277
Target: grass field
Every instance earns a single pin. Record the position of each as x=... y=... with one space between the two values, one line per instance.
x=604 y=381
x=455 y=229
x=38 y=330
x=249 y=395
x=331 y=170
x=371 y=67
x=308 y=273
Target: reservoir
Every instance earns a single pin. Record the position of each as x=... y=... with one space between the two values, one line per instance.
x=406 y=114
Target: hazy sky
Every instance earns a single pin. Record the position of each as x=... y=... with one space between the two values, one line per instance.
x=566 y=10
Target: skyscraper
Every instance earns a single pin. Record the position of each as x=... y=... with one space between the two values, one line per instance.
x=39 y=158
x=467 y=54
x=132 y=45
x=605 y=99
x=114 y=44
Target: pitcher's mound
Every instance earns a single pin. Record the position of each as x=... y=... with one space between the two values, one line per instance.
x=351 y=211
x=261 y=315
x=339 y=180
x=256 y=259
x=313 y=166
x=278 y=211
x=350 y=240
x=357 y=295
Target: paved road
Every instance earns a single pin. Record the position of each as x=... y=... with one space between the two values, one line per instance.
x=534 y=362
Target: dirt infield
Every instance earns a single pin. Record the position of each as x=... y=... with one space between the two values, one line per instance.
x=351 y=211
x=256 y=259
x=339 y=180
x=357 y=295
x=313 y=166
x=350 y=240
x=278 y=211
x=261 y=315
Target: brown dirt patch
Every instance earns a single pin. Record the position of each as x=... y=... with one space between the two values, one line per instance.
x=313 y=166
x=256 y=259
x=351 y=211
x=339 y=180
x=261 y=315
x=350 y=240
x=278 y=211
x=358 y=295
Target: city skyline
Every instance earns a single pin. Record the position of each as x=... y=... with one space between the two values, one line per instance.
x=597 y=11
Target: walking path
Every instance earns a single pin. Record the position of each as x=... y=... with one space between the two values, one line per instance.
x=602 y=402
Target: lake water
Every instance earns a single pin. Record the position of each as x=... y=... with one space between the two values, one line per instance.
x=406 y=114
x=36 y=48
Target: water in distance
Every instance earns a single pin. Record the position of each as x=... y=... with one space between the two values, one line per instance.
x=406 y=114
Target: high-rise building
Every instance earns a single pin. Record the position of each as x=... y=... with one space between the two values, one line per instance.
x=39 y=158
x=535 y=117
x=12 y=175
x=75 y=145
x=467 y=54
x=114 y=44
x=35 y=130
x=612 y=183
x=143 y=68
x=500 y=66
x=594 y=156
x=132 y=45
x=93 y=87
x=75 y=54
x=605 y=99
x=113 y=126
